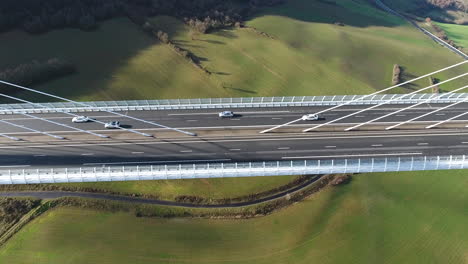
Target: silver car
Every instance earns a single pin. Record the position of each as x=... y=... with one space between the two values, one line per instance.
x=226 y=114
x=112 y=124
x=82 y=119
x=310 y=117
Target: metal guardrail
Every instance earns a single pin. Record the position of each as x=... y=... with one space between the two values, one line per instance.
x=225 y=170
x=218 y=103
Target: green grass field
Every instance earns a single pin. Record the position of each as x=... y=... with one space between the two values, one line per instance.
x=457 y=33
x=378 y=218
x=309 y=55
x=414 y=7
x=206 y=188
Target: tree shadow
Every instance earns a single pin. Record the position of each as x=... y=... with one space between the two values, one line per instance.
x=226 y=33
x=405 y=76
x=221 y=73
x=212 y=41
x=240 y=90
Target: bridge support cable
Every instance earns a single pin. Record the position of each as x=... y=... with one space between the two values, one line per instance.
x=62 y=125
x=369 y=95
x=71 y=114
x=404 y=109
x=383 y=103
x=53 y=122
x=446 y=120
x=430 y=113
x=10 y=137
x=31 y=129
x=91 y=107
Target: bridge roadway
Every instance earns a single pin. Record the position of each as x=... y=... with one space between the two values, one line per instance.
x=231 y=140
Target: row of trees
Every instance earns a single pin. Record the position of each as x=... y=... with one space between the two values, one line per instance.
x=36 y=72
x=39 y=16
x=440 y=33
x=455 y=4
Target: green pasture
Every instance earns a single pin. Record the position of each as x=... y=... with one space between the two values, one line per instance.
x=457 y=33
x=206 y=188
x=307 y=55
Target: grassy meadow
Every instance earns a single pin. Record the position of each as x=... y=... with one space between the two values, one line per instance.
x=308 y=55
x=377 y=218
x=206 y=188
x=457 y=33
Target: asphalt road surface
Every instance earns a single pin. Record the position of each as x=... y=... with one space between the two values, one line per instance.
x=230 y=140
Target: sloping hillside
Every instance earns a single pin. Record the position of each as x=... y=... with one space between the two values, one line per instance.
x=300 y=48
x=450 y=11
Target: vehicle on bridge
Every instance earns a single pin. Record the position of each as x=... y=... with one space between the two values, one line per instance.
x=112 y=124
x=82 y=119
x=226 y=114
x=310 y=117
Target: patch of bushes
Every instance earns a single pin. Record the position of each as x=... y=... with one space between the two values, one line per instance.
x=440 y=33
x=448 y=11
x=164 y=38
x=341 y=179
x=36 y=72
x=40 y=16
x=432 y=81
x=396 y=75
x=12 y=209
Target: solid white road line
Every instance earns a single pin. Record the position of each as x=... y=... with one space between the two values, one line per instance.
x=356 y=155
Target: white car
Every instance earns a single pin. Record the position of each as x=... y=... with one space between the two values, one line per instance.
x=113 y=124
x=310 y=117
x=82 y=119
x=226 y=114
